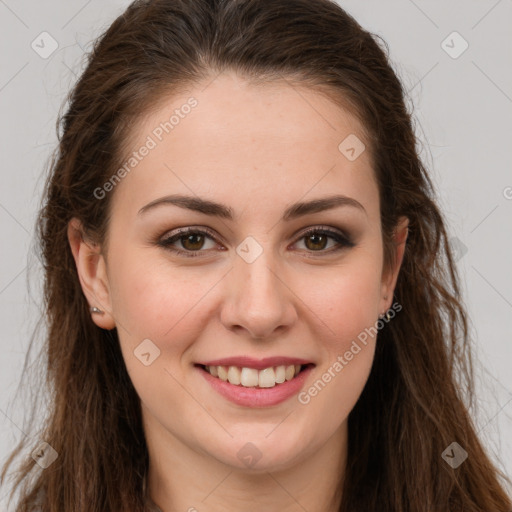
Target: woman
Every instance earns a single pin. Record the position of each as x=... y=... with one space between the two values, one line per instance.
x=252 y=302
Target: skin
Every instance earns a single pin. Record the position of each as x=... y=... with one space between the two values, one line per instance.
x=257 y=149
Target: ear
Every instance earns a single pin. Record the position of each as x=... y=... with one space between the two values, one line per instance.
x=92 y=273
x=390 y=275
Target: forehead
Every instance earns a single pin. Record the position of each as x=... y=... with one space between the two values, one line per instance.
x=247 y=141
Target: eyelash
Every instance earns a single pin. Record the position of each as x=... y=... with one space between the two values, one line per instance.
x=342 y=240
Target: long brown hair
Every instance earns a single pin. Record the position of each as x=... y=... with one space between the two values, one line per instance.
x=413 y=406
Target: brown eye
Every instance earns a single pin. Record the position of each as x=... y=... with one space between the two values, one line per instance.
x=192 y=242
x=317 y=240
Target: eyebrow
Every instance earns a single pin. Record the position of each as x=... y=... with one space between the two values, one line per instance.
x=222 y=211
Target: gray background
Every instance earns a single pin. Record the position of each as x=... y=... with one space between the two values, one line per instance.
x=463 y=109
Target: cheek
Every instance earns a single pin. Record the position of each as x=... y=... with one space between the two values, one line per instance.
x=345 y=298
x=156 y=303
x=349 y=314
x=150 y=295
x=347 y=306
x=161 y=302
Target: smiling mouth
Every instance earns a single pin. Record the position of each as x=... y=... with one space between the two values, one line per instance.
x=252 y=378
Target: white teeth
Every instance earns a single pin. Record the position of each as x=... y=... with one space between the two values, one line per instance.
x=250 y=377
x=234 y=375
x=267 y=378
x=222 y=373
x=280 y=374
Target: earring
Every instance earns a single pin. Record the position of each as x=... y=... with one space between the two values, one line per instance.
x=386 y=316
x=94 y=309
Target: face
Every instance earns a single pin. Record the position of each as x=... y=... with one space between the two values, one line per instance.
x=271 y=276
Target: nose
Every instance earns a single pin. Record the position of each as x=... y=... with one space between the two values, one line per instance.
x=258 y=299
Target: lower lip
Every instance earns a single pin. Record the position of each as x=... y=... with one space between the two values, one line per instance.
x=257 y=397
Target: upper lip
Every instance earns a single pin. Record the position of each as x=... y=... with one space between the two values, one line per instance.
x=258 y=364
